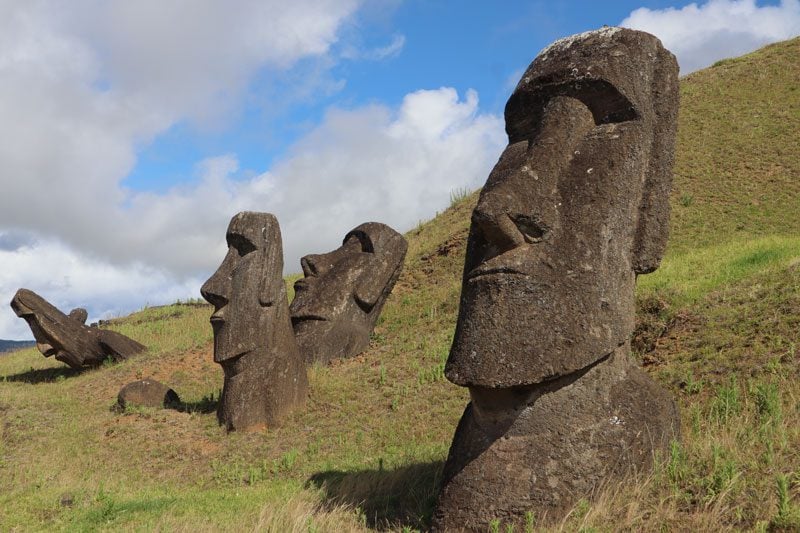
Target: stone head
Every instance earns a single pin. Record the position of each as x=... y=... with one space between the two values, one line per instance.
x=575 y=208
x=338 y=302
x=246 y=287
x=55 y=332
x=66 y=337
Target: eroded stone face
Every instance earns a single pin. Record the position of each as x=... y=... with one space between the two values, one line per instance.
x=575 y=208
x=264 y=374
x=66 y=337
x=338 y=302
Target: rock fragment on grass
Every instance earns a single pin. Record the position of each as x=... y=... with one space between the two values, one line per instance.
x=147 y=393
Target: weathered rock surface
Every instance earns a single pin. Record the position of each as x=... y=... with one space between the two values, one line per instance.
x=543 y=447
x=80 y=314
x=265 y=376
x=147 y=393
x=338 y=302
x=576 y=208
x=67 y=337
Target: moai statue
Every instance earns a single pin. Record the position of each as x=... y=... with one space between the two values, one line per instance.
x=67 y=337
x=576 y=208
x=265 y=377
x=338 y=302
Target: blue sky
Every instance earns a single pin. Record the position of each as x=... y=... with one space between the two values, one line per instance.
x=131 y=132
x=464 y=45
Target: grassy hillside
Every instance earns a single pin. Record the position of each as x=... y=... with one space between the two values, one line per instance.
x=718 y=327
x=736 y=175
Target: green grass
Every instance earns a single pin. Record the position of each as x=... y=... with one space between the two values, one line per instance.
x=721 y=319
x=738 y=151
x=688 y=276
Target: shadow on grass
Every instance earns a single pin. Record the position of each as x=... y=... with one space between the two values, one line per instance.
x=389 y=499
x=44 y=375
x=206 y=405
x=106 y=510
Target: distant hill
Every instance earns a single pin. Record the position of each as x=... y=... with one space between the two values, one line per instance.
x=10 y=346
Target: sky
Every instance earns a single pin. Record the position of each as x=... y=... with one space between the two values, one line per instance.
x=131 y=132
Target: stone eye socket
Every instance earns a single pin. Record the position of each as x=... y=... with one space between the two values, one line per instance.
x=362 y=239
x=241 y=245
x=532 y=229
x=525 y=108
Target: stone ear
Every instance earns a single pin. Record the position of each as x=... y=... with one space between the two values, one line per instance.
x=374 y=282
x=652 y=228
x=369 y=289
x=271 y=286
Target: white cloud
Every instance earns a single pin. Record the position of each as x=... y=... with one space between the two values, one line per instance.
x=390 y=50
x=370 y=163
x=377 y=54
x=81 y=86
x=68 y=280
x=701 y=34
x=84 y=84
x=396 y=166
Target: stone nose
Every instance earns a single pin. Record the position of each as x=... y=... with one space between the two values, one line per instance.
x=308 y=264
x=313 y=265
x=214 y=290
x=21 y=303
x=499 y=230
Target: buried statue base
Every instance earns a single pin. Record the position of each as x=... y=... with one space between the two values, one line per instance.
x=542 y=448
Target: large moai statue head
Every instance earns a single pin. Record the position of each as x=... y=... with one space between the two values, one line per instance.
x=338 y=302
x=575 y=208
x=264 y=373
x=66 y=337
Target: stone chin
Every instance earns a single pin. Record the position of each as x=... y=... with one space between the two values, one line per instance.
x=46 y=349
x=322 y=340
x=229 y=344
x=550 y=328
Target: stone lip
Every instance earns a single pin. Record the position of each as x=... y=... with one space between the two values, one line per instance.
x=147 y=393
x=338 y=301
x=66 y=337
